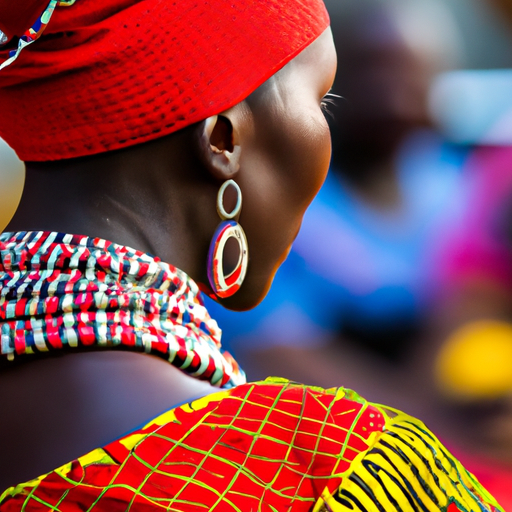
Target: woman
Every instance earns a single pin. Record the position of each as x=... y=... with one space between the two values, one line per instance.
x=135 y=119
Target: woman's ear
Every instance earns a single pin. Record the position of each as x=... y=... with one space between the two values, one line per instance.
x=219 y=147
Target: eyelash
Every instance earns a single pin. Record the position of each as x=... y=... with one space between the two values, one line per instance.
x=330 y=99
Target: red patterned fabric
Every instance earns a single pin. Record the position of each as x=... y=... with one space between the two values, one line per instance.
x=273 y=446
x=268 y=447
x=110 y=74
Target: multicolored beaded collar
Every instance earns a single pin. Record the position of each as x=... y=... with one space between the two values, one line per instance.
x=62 y=291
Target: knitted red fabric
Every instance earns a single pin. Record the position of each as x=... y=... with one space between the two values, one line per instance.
x=113 y=73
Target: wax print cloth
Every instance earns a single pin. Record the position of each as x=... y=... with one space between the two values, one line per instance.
x=270 y=446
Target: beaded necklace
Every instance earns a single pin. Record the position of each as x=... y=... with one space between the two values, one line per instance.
x=61 y=291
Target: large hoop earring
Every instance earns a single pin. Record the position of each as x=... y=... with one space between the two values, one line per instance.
x=227 y=285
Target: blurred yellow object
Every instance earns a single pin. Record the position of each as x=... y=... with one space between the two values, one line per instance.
x=12 y=180
x=476 y=361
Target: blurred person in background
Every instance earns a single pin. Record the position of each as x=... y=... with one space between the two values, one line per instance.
x=466 y=357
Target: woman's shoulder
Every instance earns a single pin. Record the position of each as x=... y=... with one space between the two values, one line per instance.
x=271 y=445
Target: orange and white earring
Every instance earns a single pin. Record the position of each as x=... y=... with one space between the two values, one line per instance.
x=227 y=285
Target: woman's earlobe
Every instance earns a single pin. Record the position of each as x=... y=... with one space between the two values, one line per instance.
x=218 y=149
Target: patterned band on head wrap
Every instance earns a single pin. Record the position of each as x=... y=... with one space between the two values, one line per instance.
x=111 y=74
x=33 y=33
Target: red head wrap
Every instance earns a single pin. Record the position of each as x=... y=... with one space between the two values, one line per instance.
x=107 y=74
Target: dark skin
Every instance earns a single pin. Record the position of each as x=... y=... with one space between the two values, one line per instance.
x=160 y=198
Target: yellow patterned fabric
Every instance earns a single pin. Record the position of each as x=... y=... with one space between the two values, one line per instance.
x=407 y=461
x=273 y=446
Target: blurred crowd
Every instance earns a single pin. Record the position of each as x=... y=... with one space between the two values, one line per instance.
x=399 y=284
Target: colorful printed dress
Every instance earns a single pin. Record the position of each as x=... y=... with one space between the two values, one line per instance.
x=271 y=446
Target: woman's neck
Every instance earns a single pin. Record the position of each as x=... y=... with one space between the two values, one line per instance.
x=139 y=197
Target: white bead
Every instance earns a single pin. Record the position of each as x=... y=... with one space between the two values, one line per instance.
x=220 y=200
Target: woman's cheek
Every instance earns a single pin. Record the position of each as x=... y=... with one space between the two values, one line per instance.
x=327 y=145
x=320 y=151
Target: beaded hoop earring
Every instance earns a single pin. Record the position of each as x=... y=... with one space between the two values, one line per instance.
x=227 y=285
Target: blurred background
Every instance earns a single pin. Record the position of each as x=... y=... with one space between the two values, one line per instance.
x=399 y=284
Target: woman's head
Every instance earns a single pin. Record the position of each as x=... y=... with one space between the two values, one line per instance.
x=271 y=139
x=284 y=152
